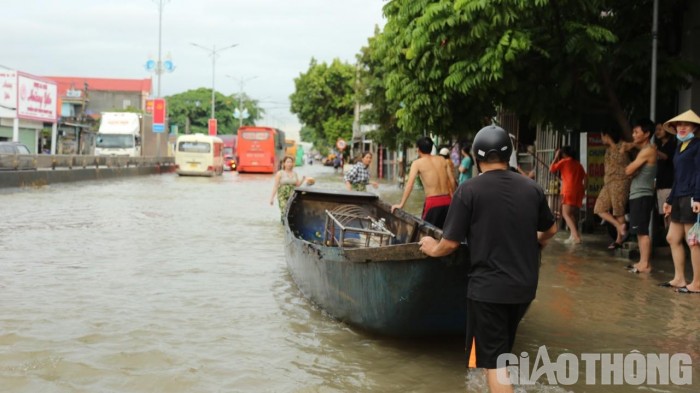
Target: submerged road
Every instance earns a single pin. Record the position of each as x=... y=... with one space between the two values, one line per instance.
x=163 y=283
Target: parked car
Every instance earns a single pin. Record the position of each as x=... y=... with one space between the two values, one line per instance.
x=16 y=156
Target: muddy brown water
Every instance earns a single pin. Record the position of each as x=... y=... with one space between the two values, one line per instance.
x=178 y=284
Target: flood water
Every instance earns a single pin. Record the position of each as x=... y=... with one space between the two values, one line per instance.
x=177 y=284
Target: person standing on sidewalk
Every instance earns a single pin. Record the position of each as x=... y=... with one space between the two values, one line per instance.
x=641 y=199
x=506 y=221
x=665 y=150
x=573 y=178
x=465 y=167
x=616 y=188
x=683 y=204
x=445 y=153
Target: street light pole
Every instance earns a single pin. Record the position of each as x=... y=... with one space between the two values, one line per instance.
x=213 y=52
x=159 y=69
x=159 y=66
x=241 y=82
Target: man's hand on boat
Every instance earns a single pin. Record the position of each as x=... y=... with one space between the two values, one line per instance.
x=394 y=207
x=431 y=247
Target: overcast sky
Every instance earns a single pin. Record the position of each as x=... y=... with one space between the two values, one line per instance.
x=114 y=39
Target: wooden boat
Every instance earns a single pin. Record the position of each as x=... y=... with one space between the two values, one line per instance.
x=360 y=263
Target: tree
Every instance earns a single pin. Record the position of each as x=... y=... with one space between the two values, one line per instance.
x=559 y=62
x=323 y=100
x=416 y=82
x=371 y=93
x=191 y=110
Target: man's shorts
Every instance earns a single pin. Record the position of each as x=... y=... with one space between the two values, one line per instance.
x=682 y=212
x=640 y=214
x=435 y=209
x=491 y=327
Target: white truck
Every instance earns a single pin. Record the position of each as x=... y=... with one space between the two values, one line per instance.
x=119 y=135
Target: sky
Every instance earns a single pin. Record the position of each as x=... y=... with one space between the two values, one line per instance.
x=276 y=40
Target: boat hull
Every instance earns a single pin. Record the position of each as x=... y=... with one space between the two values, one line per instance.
x=389 y=290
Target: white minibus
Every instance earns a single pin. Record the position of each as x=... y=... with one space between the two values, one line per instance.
x=199 y=155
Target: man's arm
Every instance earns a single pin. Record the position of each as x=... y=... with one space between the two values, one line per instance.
x=543 y=237
x=660 y=154
x=642 y=158
x=624 y=147
x=450 y=177
x=432 y=248
x=409 y=186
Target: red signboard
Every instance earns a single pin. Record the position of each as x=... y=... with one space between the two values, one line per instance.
x=149 y=106
x=159 y=111
x=596 y=168
x=212 y=126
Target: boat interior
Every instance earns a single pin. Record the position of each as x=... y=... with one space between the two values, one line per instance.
x=352 y=220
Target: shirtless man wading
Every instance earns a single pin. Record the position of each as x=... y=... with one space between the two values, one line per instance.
x=436 y=179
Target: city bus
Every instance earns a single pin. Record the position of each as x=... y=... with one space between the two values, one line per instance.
x=199 y=155
x=260 y=149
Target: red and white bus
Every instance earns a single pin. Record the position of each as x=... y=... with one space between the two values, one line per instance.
x=260 y=149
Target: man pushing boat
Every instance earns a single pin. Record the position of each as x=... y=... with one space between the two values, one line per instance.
x=506 y=221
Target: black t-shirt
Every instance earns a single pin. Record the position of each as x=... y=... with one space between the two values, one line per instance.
x=664 y=168
x=499 y=213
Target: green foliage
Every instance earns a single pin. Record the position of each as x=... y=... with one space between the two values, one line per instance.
x=371 y=93
x=324 y=102
x=193 y=109
x=449 y=63
x=416 y=62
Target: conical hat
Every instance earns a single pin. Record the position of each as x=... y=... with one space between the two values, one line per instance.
x=687 y=116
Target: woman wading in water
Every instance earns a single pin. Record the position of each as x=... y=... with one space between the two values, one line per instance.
x=285 y=181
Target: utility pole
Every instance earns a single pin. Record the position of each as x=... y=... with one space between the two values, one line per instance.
x=159 y=67
x=241 y=82
x=654 y=39
x=213 y=52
